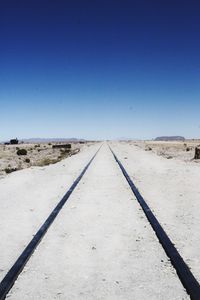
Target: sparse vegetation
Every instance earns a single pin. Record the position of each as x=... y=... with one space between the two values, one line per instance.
x=171 y=149
x=20 y=157
x=22 y=152
x=10 y=170
x=37 y=146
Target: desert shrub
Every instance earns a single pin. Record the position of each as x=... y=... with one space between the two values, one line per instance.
x=27 y=160
x=188 y=149
x=22 y=152
x=10 y=170
x=49 y=144
x=37 y=146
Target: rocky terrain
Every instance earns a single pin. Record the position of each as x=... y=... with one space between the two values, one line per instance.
x=21 y=156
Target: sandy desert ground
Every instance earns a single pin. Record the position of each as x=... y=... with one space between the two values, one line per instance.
x=38 y=154
x=101 y=246
x=181 y=150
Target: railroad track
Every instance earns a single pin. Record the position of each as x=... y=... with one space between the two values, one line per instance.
x=10 y=278
x=185 y=275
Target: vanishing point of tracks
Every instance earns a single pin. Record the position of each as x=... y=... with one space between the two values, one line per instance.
x=185 y=275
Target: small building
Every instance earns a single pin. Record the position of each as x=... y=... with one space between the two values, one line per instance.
x=66 y=146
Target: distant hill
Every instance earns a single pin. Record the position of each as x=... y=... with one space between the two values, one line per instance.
x=170 y=138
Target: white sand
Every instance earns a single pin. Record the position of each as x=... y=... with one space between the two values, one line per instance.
x=99 y=247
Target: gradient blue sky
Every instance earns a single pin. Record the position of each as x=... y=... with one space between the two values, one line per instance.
x=99 y=69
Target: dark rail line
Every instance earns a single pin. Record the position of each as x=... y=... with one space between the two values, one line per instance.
x=10 y=278
x=185 y=275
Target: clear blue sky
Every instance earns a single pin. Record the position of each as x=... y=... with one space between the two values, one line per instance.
x=99 y=69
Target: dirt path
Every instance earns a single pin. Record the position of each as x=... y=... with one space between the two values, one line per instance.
x=99 y=247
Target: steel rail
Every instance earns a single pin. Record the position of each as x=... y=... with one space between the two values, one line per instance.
x=185 y=275
x=10 y=278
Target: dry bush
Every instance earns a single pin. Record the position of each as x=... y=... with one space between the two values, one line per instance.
x=10 y=170
x=22 y=152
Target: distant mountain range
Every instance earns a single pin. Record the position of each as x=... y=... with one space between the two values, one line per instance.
x=48 y=140
x=170 y=138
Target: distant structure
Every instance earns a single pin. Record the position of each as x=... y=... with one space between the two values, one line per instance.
x=197 y=152
x=67 y=146
x=170 y=138
x=14 y=141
